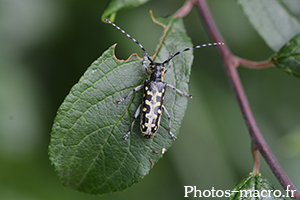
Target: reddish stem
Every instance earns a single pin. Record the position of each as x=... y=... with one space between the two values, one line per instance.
x=230 y=66
x=185 y=9
x=254 y=65
x=255 y=160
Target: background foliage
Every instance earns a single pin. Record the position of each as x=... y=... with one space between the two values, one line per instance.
x=47 y=45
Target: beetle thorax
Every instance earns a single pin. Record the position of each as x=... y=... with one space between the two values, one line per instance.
x=156 y=72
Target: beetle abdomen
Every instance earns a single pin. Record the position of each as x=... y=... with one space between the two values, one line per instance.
x=152 y=107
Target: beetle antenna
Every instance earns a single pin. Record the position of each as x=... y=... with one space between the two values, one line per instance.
x=141 y=46
x=195 y=47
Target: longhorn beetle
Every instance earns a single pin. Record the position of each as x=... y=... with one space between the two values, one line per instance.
x=154 y=91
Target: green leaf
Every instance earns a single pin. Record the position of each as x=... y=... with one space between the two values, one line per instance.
x=255 y=187
x=288 y=57
x=87 y=146
x=116 y=5
x=293 y=6
x=272 y=20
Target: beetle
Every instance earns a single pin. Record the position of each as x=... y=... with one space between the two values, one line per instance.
x=154 y=91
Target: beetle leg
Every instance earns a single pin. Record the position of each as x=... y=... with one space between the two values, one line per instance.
x=130 y=93
x=180 y=92
x=169 y=119
x=137 y=112
x=144 y=63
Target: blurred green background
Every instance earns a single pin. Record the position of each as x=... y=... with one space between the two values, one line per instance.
x=46 y=45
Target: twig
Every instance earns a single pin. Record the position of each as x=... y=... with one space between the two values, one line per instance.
x=185 y=9
x=254 y=65
x=229 y=63
x=255 y=160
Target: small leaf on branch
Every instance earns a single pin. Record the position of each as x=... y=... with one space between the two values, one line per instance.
x=288 y=57
x=256 y=187
x=116 y=5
